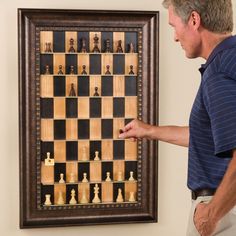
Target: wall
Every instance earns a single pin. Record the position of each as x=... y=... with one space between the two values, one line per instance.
x=179 y=80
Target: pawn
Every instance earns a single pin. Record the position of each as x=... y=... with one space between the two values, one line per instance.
x=108 y=179
x=71 y=49
x=119 y=47
x=83 y=43
x=96 y=92
x=131 y=197
x=119 y=177
x=72 y=70
x=131 y=178
x=107 y=45
x=61 y=181
x=119 y=196
x=108 y=70
x=131 y=72
x=47 y=70
x=84 y=198
x=72 y=92
x=131 y=48
x=96 y=158
x=73 y=200
x=84 y=70
x=60 y=72
x=49 y=161
x=72 y=178
x=48 y=201
x=84 y=180
x=60 y=200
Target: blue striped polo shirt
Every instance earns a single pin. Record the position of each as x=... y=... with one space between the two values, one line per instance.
x=212 y=121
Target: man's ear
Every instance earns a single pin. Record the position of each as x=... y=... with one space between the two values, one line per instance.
x=195 y=19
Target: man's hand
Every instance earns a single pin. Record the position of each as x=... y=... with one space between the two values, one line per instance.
x=203 y=221
x=134 y=130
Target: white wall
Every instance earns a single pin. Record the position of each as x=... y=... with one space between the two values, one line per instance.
x=179 y=80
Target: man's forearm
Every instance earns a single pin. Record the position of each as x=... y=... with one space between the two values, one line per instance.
x=177 y=135
x=225 y=197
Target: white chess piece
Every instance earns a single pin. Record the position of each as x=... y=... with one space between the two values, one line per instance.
x=119 y=196
x=48 y=201
x=60 y=200
x=84 y=198
x=131 y=178
x=96 y=198
x=108 y=179
x=84 y=154
x=119 y=176
x=131 y=197
x=96 y=158
x=84 y=180
x=49 y=161
x=72 y=200
x=72 y=178
x=61 y=181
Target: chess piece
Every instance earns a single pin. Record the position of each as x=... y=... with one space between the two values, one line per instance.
x=84 y=154
x=73 y=200
x=72 y=70
x=72 y=178
x=96 y=92
x=60 y=72
x=72 y=90
x=108 y=70
x=131 y=48
x=131 y=178
x=60 y=200
x=108 y=179
x=83 y=47
x=84 y=70
x=71 y=49
x=121 y=131
x=96 y=158
x=49 y=161
x=48 y=201
x=47 y=70
x=84 y=180
x=96 y=42
x=119 y=47
x=96 y=198
x=84 y=198
x=131 y=197
x=107 y=46
x=48 y=47
x=119 y=196
x=119 y=176
x=61 y=181
x=131 y=72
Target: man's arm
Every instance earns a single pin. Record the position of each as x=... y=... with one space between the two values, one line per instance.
x=171 y=134
x=207 y=215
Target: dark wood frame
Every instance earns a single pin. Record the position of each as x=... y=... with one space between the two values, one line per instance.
x=147 y=26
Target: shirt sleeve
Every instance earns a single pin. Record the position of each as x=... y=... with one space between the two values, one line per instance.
x=219 y=94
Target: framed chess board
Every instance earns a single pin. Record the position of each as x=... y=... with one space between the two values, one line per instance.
x=83 y=75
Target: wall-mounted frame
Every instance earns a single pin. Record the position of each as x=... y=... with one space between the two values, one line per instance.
x=83 y=75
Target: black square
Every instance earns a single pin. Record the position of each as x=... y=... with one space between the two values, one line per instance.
x=59 y=86
x=119 y=149
x=71 y=151
x=71 y=60
x=107 y=128
x=47 y=189
x=131 y=37
x=95 y=107
x=58 y=41
x=95 y=146
x=80 y=36
x=116 y=188
x=107 y=86
x=83 y=129
x=59 y=168
x=83 y=168
x=130 y=166
x=95 y=64
x=104 y=37
x=69 y=188
x=130 y=86
x=46 y=60
x=107 y=167
x=59 y=129
x=119 y=64
x=46 y=107
x=71 y=108
x=118 y=107
x=47 y=147
x=83 y=85
x=92 y=186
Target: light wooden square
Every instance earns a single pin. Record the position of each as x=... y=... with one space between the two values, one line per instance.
x=95 y=171
x=59 y=151
x=71 y=167
x=69 y=35
x=130 y=187
x=95 y=129
x=131 y=59
x=107 y=107
x=83 y=144
x=131 y=150
x=57 y=189
x=83 y=107
x=91 y=40
x=45 y=37
x=71 y=129
x=81 y=188
x=95 y=81
x=119 y=86
x=107 y=150
x=59 y=59
x=107 y=192
x=118 y=166
x=116 y=37
x=107 y=59
x=69 y=81
x=83 y=59
x=131 y=107
x=47 y=174
x=47 y=130
x=46 y=86
x=59 y=108
x=118 y=123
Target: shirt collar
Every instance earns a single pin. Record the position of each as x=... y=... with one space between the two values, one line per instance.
x=225 y=44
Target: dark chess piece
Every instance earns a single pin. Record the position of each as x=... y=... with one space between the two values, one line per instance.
x=95 y=41
x=131 y=48
x=96 y=92
x=131 y=72
x=108 y=70
x=47 y=70
x=72 y=90
x=84 y=70
x=107 y=46
x=71 y=49
x=72 y=71
x=83 y=43
x=119 y=47
x=60 y=72
x=48 y=47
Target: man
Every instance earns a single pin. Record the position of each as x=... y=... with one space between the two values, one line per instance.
x=203 y=28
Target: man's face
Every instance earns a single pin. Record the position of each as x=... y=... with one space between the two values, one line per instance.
x=185 y=34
